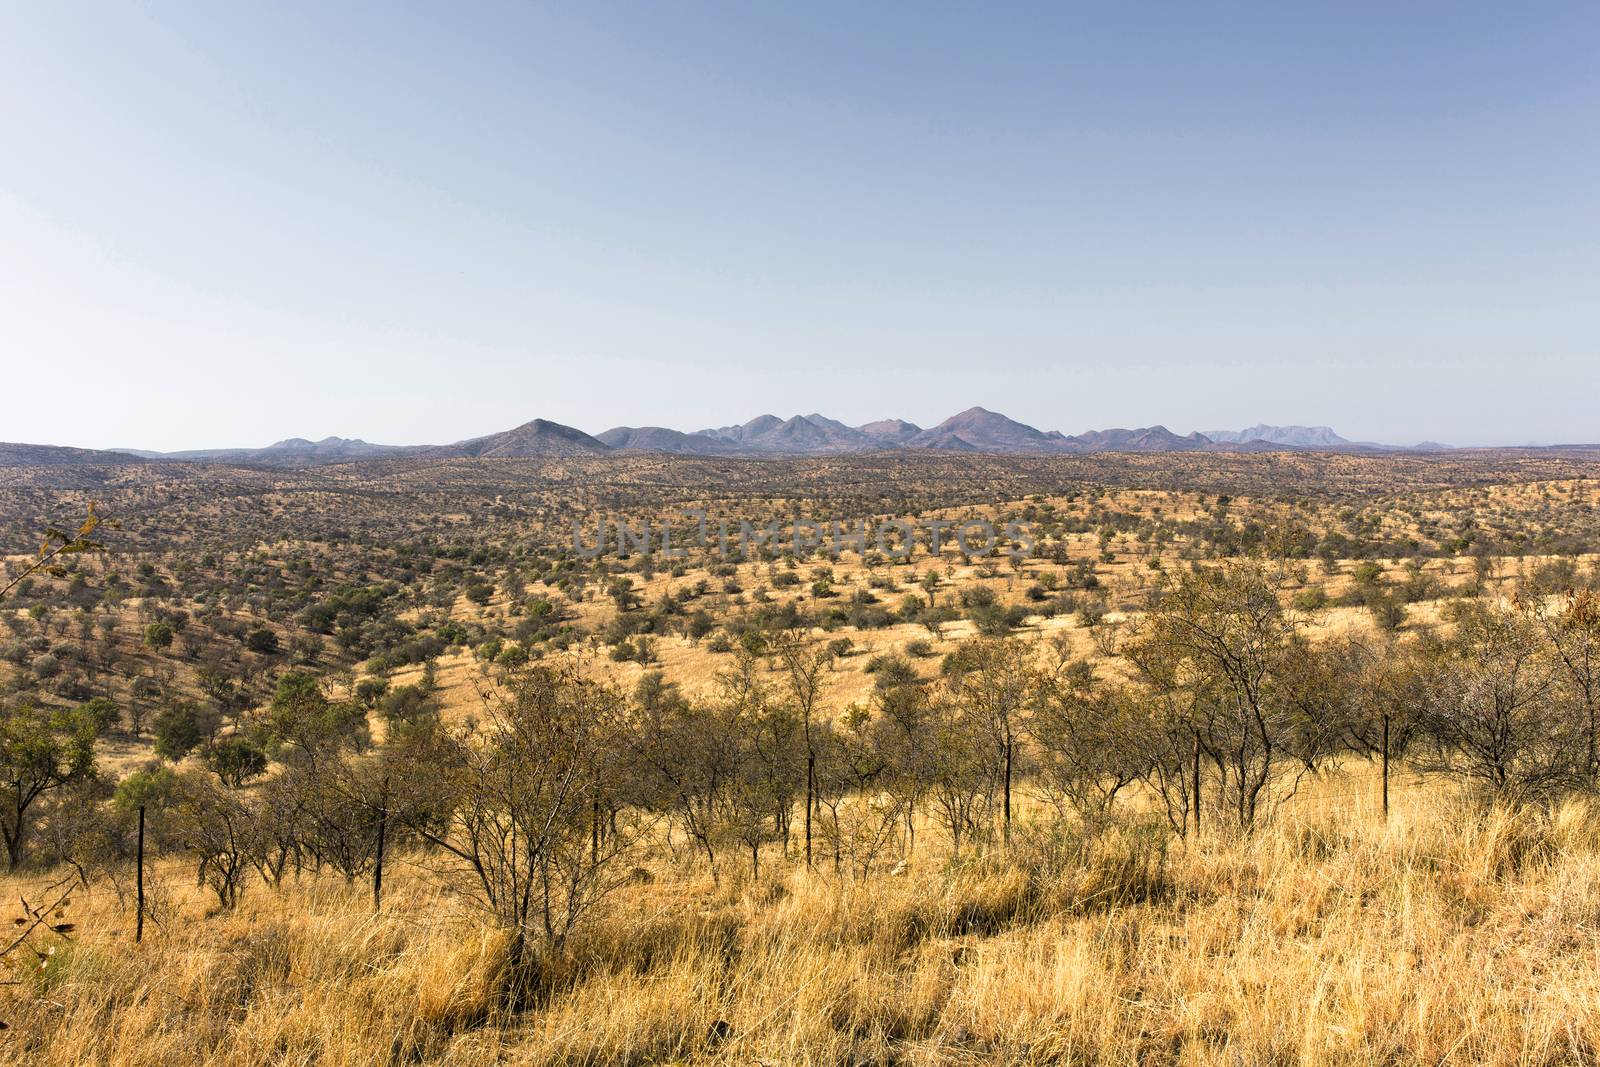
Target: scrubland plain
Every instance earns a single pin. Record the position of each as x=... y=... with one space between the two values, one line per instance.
x=1257 y=759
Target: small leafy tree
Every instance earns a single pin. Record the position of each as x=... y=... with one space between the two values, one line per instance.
x=158 y=636
x=301 y=721
x=1384 y=701
x=40 y=752
x=236 y=761
x=181 y=728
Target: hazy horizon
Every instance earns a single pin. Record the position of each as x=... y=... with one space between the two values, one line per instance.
x=923 y=424
x=318 y=437
x=415 y=225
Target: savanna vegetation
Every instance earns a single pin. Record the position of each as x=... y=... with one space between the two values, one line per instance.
x=1256 y=758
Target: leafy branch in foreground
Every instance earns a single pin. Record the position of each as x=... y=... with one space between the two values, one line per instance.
x=36 y=921
x=50 y=917
x=59 y=543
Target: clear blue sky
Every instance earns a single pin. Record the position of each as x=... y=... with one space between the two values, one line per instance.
x=221 y=225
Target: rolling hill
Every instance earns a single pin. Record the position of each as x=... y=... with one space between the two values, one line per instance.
x=537 y=438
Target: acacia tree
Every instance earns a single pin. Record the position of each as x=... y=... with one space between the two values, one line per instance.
x=518 y=798
x=300 y=723
x=862 y=817
x=222 y=831
x=285 y=829
x=1221 y=635
x=315 y=807
x=962 y=783
x=1180 y=714
x=1493 y=710
x=906 y=734
x=1571 y=625
x=766 y=761
x=805 y=667
x=1092 y=739
x=993 y=683
x=1384 y=701
x=686 y=758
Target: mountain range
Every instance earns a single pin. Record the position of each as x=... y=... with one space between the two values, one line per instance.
x=976 y=429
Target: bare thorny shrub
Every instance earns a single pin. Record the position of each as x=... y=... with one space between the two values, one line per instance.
x=520 y=806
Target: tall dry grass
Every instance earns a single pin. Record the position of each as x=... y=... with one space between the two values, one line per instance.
x=1449 y=935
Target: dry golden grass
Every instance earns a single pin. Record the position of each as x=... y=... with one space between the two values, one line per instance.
x=1447 y=936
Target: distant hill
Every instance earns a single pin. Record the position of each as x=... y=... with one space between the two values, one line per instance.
x=1319 y=438
x=981 y=430
x=537 y=438
x=799 y=435
x=20 y=455
x=812 y=434
x=890 y=431
x=329 y=448
x=1144 y=439
x=294 y=451
x=744 y=432
x=1292 y=436
x=661 y=439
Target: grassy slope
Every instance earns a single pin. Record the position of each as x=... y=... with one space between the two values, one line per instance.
x=1330 y=938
